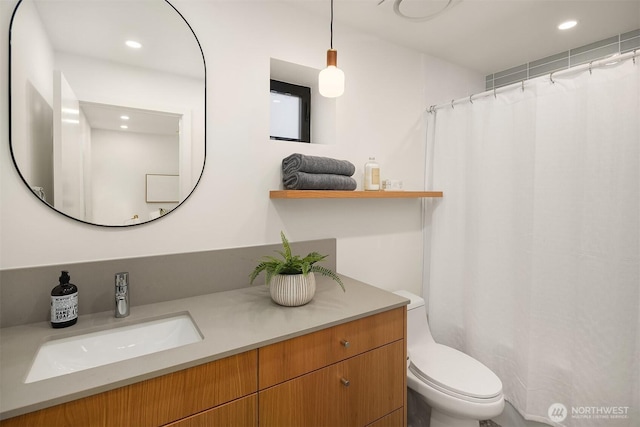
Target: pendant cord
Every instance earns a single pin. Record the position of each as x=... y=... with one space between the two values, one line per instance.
x=331 y=25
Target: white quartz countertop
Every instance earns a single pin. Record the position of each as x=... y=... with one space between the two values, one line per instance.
x=231 y=322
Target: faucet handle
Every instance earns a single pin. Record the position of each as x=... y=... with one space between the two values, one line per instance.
x=122 y=294
x=122 y=281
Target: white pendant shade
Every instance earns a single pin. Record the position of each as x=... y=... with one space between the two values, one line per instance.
x=331 y=82
x=331 y=79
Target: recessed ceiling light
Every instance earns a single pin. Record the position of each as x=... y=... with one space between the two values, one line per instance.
x=567 y=24
x=124 y=127
x=124 y=117
x=133 y=44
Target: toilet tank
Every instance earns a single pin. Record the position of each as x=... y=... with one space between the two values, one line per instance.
x=417 y=326
x=416 y=301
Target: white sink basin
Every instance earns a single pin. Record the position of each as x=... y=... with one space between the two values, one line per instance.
x=72 y=354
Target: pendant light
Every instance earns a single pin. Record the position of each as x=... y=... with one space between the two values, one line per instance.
x=331 y=79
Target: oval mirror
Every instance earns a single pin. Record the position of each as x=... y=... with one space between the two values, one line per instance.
x=107 y=107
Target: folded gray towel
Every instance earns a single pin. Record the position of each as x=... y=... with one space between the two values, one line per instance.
x=313 y=164
x=318 y=181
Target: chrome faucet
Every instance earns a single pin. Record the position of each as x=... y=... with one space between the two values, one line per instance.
x=122 y=294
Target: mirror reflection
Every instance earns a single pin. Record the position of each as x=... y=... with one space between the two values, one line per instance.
x=107 y=107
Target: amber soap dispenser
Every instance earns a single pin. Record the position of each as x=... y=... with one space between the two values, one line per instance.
x=64 y=303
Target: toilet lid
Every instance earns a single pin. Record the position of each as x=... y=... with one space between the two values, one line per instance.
x=455 y=371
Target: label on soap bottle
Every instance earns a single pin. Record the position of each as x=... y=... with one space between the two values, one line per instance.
x=371 y=175
x=64 y=308
x=375 y=176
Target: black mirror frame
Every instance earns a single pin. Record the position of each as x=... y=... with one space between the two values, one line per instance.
x=204 y=63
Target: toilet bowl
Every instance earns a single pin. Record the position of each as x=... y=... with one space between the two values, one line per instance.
x=460 y=390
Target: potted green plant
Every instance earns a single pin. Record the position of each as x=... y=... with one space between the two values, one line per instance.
x=291 y=278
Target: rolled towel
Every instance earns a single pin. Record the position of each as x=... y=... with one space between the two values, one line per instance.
x=313 y=164
x=315 y=181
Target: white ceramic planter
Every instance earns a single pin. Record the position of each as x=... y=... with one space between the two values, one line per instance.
x=292 y=290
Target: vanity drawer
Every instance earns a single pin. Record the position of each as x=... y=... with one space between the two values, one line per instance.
x=239 y=413
x=394 y=419
x=155 y=401
x=355 y=392
x=282 y=361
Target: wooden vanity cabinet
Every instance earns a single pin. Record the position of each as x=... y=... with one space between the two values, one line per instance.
x=161 y=400
x=239 y=413
x=352 y=374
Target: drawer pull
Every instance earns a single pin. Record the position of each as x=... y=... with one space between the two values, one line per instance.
x=345 y=343
x=345 y=382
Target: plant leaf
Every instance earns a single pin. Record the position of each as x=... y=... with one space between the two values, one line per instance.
x=292 y=264
x=326 y=272
x=285 y=245
x=259 y=268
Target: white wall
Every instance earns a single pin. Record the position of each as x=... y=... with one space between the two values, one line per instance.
x=120 y=161
x=68 y=158
x=139 y=88
x=382 y=114
x=32 y=88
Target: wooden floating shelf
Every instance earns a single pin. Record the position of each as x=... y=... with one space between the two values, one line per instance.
x=330 y=194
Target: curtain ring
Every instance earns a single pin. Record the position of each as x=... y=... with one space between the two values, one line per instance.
x=590 y=71
x=523 y=85
x=495 y=95
x=452 y=103
x=471 y=100
x=551 y=78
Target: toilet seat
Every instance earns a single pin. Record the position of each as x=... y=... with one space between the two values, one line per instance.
x=454 y=373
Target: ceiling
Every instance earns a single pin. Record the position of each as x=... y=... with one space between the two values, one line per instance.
x=484 y=35
x=109 y=117
x=104 y=25
x=99 y=28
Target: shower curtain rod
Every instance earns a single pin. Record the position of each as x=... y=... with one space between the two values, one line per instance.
x=612 y=60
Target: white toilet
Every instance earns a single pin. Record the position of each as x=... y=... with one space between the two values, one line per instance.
x=460 y=390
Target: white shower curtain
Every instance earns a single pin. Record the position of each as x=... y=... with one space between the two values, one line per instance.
x=534 y=251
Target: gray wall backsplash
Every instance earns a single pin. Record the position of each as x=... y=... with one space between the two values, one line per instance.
x=25 y=292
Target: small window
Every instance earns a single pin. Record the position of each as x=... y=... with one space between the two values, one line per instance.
x=290 y=112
